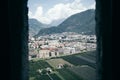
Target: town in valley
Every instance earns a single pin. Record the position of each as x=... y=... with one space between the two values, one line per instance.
x=60 y=44
x=62 y=56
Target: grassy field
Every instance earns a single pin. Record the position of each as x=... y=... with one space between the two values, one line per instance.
x=86 y=72
x=76 y=60
x=35 y=65
x=90 y=55
x=72 y=59
x=59 y=74
x=68 y=75
x=55 y=62
x=55 y=77
x=75 y=70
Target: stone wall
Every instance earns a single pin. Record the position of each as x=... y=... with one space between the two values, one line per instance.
x=104 y=39
x=18 y=35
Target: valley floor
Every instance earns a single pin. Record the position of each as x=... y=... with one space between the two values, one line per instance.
x=72 y=67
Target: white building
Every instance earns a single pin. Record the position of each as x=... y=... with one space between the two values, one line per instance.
x=47 y=53
x=66 y=50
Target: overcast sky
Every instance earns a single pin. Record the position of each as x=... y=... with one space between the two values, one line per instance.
x=47 y=11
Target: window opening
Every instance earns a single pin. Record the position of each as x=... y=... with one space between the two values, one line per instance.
x=62 y=41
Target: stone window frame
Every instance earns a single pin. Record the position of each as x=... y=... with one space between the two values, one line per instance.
x=18 y=25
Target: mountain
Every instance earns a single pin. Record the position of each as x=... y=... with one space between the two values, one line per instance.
x=35 y=26
x=80 y=22
x=57 y=22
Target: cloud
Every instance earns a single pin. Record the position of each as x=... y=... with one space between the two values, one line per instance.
x=30 y=14
x=39 y=12
x=93 y=6
x=66 y=0
x=58 y=11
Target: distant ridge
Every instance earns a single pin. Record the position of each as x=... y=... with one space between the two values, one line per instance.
x=35 y=26
x=80 y=22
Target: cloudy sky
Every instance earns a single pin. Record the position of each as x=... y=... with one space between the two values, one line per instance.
x=47 y=11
